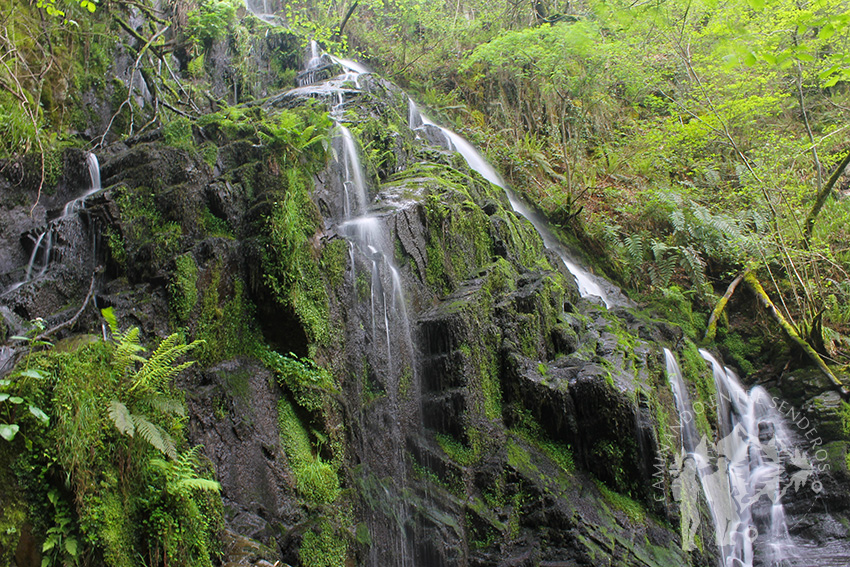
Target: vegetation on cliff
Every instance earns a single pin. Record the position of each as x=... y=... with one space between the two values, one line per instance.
x=679 y=146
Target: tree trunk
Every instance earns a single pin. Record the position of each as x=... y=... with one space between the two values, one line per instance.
x=825 y=192
x=711 y=330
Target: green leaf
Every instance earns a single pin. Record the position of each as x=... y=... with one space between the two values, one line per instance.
x=109 y=314
x=826 y=32
x=33 y=373
x=8 y=431
x=5 y=383
x=4 y=397
x=16 y=400
x=750 y=59
x=71 y=546
x=49 y=544
x=805 y=56
x=39 y=415
x=756 y=5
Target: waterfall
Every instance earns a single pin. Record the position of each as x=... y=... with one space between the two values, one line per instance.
x=587 y=283
x=74 y=205
x=45 y=240
x=740 y=475
x=753 y=437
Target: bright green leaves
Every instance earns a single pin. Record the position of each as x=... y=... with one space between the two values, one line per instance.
x=9 y=430
x=10 y=404
x=50 y=7
x=211 y=20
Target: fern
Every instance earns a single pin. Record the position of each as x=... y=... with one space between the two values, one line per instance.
x=155 y=435
x=122 y=418
x=160 y=367
x=693 y=265
x=165 y=404
x=125 y=356
x=181 y=477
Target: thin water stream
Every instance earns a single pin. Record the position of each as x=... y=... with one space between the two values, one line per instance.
x=587 y=283
x=44 y=241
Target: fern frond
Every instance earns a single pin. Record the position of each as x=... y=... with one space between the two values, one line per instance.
x=197 y=483
x=155 y=435
x=181 y=474
x=165 y=404
x=693 y=264
x=111 y=320
x=160 y=367
x=677 y=219
x=125 y=355
x=121 y=417
x=634 y=247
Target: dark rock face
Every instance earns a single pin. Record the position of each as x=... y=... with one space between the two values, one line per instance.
x=233 y=412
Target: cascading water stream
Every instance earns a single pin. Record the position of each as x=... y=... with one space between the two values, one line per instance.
x=585 y=281
x=44 y=242
x=74 y=205
x=369 y=239
x=737 y=472
x=752 y=437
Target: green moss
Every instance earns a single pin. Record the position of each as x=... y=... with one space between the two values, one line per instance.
x=315 y=479
x=519 y=458
x=456 y=450
x=633 y=509
x=178 y=133
x=309 y=383
x=334 y=261
x=323 y=547
x=697 y=371
x=225 y=326
x=183 y=289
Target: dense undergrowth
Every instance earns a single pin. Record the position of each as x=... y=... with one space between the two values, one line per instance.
x=94 y=456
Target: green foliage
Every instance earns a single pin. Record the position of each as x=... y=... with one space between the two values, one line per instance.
x=92 y=468
x=225 y=326
x=178 y=133
x=458 y=452
x=183 y=289
x=316 y=480
x=50 y=6
x=211 y=20
x=323 y=547
x=308 y=383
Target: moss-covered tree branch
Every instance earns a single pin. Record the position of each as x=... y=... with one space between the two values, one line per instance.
x=792 y=334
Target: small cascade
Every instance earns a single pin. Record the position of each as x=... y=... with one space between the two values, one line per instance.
x=586 y=282
x=390 y=342
x=315 y=63
x=45 y=240
x=740 y=475
x=753 y=437
x=695 y=464
x=74 y=205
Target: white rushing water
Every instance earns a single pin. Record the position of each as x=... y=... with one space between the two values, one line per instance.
x=44 y=240
x=587 y=284
x=739 y=475
x=752 y=437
